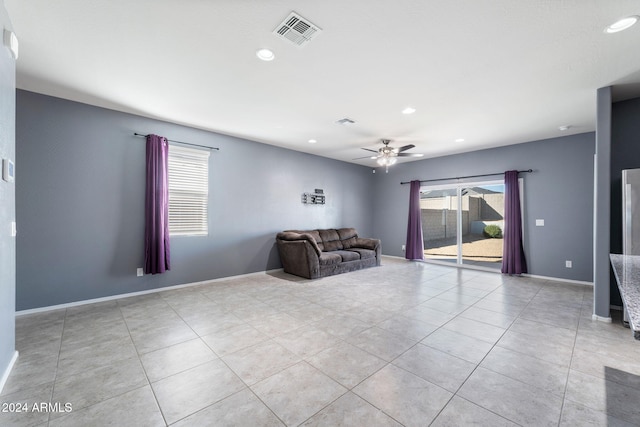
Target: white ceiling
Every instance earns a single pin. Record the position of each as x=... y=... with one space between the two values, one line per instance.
x=494 y=72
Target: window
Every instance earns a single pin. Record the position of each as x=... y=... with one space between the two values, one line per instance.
x=188 y=191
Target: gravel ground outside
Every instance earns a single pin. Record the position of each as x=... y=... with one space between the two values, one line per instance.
x=474 y=248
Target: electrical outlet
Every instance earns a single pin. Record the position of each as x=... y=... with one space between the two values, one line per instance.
x=568 y=264
x=140 y=272
x=404 y=248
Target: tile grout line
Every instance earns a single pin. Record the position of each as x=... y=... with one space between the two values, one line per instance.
x=142 y=364
x=55 y=375
x=247 y=386
x=573 y=349
x=354 y=292
x=480 y=362
x=413 y=346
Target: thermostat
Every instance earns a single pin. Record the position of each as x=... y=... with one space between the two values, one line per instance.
x=8 y=170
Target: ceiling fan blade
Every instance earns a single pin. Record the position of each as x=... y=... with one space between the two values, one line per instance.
x=405 y=148
x=365 y=157
x=409 y=155
x=373 y=151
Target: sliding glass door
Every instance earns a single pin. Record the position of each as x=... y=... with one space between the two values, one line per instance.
x=463 y=224
x=439 y=214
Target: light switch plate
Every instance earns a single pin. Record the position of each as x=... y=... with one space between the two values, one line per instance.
x=13 y=229
x=8 y=170
x=539 y=222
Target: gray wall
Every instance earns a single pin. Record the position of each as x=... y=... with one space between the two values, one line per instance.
x=560 y=191
x=625 y=154
x=80 y=203
x=7 y=204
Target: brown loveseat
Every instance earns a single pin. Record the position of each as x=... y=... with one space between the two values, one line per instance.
x=318 y=253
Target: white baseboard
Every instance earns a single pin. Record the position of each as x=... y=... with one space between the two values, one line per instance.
x=393 y=256
x=134 y=294
x=5 y=374
x=557 y=279
x=186 y=285
x=493 y=270
x=600 y=318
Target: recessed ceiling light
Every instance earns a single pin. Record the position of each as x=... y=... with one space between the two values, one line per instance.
x=459 y=140
x=564 y=127
x=312 y=141
x=265 y=54
x=622 y=24
x=409 y=110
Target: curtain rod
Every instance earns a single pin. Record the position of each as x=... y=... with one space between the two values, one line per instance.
x=463 y=177
x=180 y=142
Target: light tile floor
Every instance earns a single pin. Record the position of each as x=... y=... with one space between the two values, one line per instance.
x=406 y=343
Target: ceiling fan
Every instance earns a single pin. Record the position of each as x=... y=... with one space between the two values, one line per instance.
x=387 y=156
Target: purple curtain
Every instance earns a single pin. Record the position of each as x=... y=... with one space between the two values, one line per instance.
x=156 y=229
x=415 y=244
x=513 y=260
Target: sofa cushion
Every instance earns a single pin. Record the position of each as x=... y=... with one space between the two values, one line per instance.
x=348 y=236
x=330 y=240
x=364 y=253
x=348 y=255
x=329 y=258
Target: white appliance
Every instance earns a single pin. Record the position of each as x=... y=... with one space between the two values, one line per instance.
x=630 y=218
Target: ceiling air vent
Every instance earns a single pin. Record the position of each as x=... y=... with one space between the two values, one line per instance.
x=345 y=121
x=297 y=30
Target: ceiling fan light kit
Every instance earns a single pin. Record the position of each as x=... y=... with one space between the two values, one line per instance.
x=387 y=161
x=388 y=156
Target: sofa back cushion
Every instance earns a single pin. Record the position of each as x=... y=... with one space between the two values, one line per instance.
x=313 y=233
x=316 y=236
x=348 y=237
x=330 y=240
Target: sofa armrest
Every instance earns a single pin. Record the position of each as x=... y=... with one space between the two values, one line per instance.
x=373 y=244
x=363 y=242
x=299 y=257
x=291 y=236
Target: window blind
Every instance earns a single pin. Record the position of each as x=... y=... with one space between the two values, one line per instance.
x=188 y=191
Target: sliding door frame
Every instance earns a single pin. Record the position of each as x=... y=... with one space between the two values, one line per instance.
x=458 y=186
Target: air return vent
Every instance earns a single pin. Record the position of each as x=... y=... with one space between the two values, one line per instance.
x=297 y=30
x=345 y=121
